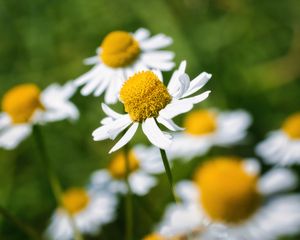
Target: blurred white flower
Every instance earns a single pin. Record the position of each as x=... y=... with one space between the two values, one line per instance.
x=282 y=146
x=25 y=105
x=90 y=210
x=206 y=128
x=228 y=200
x=148 y=102
x=120 y=55
x=143 y=163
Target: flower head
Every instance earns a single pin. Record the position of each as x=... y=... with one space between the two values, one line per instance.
x=148 y=102
x=228 y=191
x=26 y=105
x=89 y=209
x=120 y=55
x=283 y=145
x=230 y=200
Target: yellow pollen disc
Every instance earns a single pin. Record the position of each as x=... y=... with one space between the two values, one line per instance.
x=117 y=166
x=21 y=102
x=119 y=49
x=144 y=95
x=228 y=193
x=154 y=236
x=75 y=199
x=291 y=126
x=200 y=123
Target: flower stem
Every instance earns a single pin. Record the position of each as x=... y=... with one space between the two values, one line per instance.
x=168 y=172
x=53 y=180
x=26 y=229
x=129 y=223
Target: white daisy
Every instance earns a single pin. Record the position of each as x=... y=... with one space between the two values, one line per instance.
x=143 y=163
x=206 y=128
x=148 y=102
x=90 y=210
x=119 y=56
x=25 y=105
x=282 y=146
x=228 y=195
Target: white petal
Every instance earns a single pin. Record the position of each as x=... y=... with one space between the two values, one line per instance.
x=175 y=108
x=252 y=166
x=141 y=183
x=91 y=60
x=101 y=87
x=12 y=136
x=126 y=138
x=185 y=147
x=197 y=98
x=154 y=134
x=173 y=83
x=168 y=123
x=164 y=66
x=4 y=120
x=187 y=191
x=183 y=85
x=276 y=180
x=156 y=42
x=197 y=83
x=83 y=79
x=109 y=112
x=112 y=92
x=149 y=158
x=160 y=56
x=113 y=129
x=141 y=34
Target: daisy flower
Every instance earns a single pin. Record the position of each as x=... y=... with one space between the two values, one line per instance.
x=148 y=102
x=143 y=163
x=26 y=105
x=119 y=56
x=90 y=211
x=206 y=128
x=228 y=193
x=282 y=146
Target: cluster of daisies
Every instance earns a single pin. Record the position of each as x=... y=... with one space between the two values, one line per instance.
x=227 y=197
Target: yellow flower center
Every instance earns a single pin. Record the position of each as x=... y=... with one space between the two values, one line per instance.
x=154 y=236
x=117 y=166
x=200 y=122
x=21 y=102
x=144 y=95
x=228 y=193
x=75 y=199
x=119 y=49
x=291 y=126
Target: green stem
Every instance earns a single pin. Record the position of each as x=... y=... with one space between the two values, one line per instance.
x=27 y=230
x=53 y=180
x=168 y=172
x=129 y=222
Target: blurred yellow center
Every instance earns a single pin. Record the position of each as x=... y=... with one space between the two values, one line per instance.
x=144 y=95
x=200 y=122
x=228 y=193
x=119 y=49
x=75 y=199
x=117 y=166
x=154 y=236
x=21 y=102
x=291 y=126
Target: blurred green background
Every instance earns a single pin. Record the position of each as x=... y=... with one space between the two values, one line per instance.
x=252 y=48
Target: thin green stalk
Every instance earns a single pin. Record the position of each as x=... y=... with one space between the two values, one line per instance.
x=53 y=180
x=168 y=172
x=26 y=229
x=129 y=222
